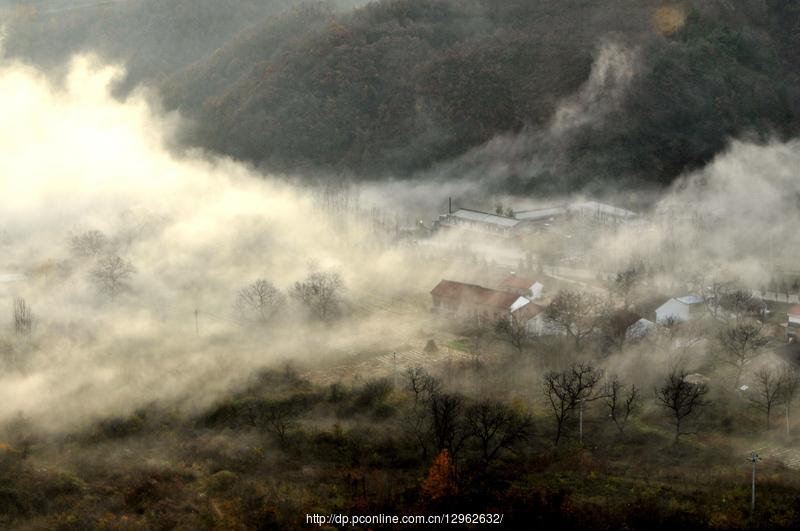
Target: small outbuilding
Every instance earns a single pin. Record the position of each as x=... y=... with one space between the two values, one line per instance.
x=680 y=309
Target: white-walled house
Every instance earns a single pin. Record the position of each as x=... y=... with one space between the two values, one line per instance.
x=680 y=308
x=533 y=316
x=527 y=287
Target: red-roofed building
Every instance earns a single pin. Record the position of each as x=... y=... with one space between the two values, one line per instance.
x=471 y=301
x=527 y=287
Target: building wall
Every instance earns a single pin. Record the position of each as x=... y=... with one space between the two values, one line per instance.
x=457 y=309
x=672 y=309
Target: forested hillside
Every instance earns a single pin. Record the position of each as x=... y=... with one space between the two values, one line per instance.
x=397 y=87
x=153 y=38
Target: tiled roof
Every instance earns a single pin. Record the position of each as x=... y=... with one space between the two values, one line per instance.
x=472 y=293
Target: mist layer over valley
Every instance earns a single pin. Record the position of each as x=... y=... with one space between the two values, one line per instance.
x=529 y=260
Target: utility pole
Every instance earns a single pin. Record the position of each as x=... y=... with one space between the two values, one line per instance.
x=580 y=420
x=754 y=459
x=394 y=360
x=197 y=321
x=787 y=420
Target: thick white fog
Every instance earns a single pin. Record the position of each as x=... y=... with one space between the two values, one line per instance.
x=196 y=228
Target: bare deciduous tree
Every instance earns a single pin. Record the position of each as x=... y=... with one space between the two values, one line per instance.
x=622 y=402
x=565 y=390
x=681 y=399
x=741 y=343
x=576 y=314
x=447 y=422
x=742 y=305
x=614 y=327
x=111 y=274
x=626 y=282
x=275 y=417
x=422 y=384
x=259 y=302
x=22 y=317
x=766 y=391
x=790 y=375
x=496 y=426
x=514 y=331
x=714 y=288
x=89 y=243
x=320 y=293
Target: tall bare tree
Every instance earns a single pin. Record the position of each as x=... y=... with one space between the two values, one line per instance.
x=682 y=399
x=22 y=317
x=714 y=288
x=790 y=374
x=621 y=401
x=741 y=343
x=496 y=426
x=112 y=273
x=259 y=302
x=320 y=292
x=447 y=422
x=576 y=314
x=627 y=282
x=514 y=331
x=742 y=305
x=614 y=326
x=566 y=390
x=767 y=390
x=89 y=243
x=421 y=384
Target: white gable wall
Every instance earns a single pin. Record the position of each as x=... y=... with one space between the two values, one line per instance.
x=536 y=290
x=673 y=309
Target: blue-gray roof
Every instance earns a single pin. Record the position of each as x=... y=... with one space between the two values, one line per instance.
x=485 y=217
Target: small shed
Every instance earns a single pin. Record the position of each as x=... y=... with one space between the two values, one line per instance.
x=680 y=308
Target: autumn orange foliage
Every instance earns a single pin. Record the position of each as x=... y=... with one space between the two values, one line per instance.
x=441 y=478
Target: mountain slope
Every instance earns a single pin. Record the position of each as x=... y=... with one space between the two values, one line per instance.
x=401 y=87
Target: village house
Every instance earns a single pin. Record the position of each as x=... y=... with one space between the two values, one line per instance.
x=601 y=213
x=541 y=218
x=470 y=301
x=524 y=286
x=680 y=309
x=478 y=221
x=533 y=316
x=520 y=222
